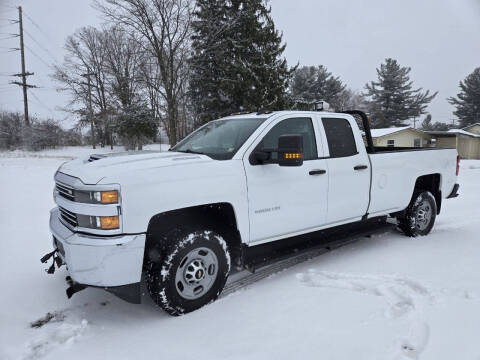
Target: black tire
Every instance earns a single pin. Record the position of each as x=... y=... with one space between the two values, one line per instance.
x=161 y=275
x=413 y=222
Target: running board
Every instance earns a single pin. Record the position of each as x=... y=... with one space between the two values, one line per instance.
x=272 y=266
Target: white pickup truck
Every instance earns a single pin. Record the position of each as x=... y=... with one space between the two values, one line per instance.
x=183 y=218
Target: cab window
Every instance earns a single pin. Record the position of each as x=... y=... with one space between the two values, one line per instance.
x=341 y=142
x=302 y=126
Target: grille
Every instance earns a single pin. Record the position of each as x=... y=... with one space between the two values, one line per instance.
x=65 y=191
x=68 y=216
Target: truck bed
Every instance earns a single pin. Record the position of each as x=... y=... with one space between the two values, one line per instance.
x=383 y=149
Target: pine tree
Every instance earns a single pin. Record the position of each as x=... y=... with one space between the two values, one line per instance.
x=237 y=62
x=310 y=84
x=427 y=123
x=468 y=102
x=392 y=99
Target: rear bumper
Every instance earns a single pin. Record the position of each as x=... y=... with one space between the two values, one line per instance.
x=454 y=192
x=99 y=261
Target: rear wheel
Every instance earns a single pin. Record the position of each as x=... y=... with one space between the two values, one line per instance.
x=419 y=216
x=192 y=271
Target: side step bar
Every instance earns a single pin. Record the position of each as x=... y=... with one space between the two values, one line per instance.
x=272 y=266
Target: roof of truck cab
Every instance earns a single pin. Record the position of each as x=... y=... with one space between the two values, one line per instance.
x=256 y=115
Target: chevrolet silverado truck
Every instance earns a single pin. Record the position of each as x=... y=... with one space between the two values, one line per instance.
x=182 y=219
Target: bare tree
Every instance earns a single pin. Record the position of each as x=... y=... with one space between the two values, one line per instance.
x=124 y=60
x=165 y=26
x=85 y=54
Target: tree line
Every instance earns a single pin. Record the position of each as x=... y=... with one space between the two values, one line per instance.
x=177 y=64
x=181 y=63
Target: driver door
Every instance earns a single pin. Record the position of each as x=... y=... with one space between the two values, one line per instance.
x=286 y=200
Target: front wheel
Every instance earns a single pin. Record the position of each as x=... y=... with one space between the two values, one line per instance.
x=191 y=273
x=419 y=216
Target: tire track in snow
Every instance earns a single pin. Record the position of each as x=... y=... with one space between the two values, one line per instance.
x=405 y=298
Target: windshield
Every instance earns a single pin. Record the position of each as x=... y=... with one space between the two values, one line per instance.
x=219 y=139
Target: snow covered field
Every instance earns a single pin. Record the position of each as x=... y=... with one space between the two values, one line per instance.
x=384 y=297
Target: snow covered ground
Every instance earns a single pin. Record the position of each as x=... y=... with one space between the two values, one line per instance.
x=384 y=297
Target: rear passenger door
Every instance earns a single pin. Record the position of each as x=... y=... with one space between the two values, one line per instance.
x=348 y=170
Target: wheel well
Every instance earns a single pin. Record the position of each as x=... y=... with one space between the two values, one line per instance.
x=430 y=183
x=218 y=216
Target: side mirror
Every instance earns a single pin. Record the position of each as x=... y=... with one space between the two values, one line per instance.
x=260 y=157
x=290 y=150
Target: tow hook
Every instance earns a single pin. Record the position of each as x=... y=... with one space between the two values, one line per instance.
x=56 y=260
x=73 y=287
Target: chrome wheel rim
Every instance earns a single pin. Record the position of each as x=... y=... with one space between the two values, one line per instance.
x=196 y=273
x=424 y=215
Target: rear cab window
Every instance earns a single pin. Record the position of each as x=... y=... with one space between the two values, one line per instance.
x=340 y=138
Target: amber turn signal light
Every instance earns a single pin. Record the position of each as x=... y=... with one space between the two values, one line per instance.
x=109 y=222
x=293 y=155
x=109 y=197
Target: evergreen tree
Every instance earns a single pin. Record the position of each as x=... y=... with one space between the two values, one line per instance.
x=427 y=123
x=310 y=84
x=136 y=126
x=392 y=99
x=468 y=102
x=237 y=62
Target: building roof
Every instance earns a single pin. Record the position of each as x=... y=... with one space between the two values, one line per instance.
x=452 y=133
x=470 y=126
x=462 y=132
x=388 y=131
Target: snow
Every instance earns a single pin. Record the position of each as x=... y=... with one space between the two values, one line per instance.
x=71 y=152
x=463 y=132
x=387 y=131
x=384 y=297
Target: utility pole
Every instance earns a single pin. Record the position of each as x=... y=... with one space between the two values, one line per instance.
x=24 y=73
x=90 y=111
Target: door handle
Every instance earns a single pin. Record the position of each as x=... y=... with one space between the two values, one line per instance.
x=317 y=172
x=360 y=167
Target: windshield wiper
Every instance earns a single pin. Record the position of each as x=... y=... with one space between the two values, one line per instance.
x=190 y=151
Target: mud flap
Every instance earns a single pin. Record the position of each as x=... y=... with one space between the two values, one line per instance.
x=73 y=287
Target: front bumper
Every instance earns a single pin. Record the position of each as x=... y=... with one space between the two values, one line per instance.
x=98 y=261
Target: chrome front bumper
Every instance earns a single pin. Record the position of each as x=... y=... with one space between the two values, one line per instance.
x=99 y=260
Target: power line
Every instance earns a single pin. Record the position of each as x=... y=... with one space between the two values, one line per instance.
x=37 y=26
x=41 y=46
x=41 y=102
x=38 y=57
x=10 y=37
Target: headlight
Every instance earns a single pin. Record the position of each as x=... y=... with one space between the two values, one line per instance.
x=98 y=222
x=109 y=222
x=106 y=197
x=96 y=197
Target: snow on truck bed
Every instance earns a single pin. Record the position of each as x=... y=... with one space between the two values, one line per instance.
x=384 y=297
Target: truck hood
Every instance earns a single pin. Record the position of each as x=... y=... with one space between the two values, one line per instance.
x=98 y=166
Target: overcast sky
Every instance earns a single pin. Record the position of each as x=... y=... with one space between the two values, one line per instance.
x=438 y=39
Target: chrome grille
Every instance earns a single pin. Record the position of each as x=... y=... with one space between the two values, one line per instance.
x=68 y=216
x=65 y=191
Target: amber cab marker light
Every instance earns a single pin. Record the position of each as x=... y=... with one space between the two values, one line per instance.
x=109 y=197
x=109 y=222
